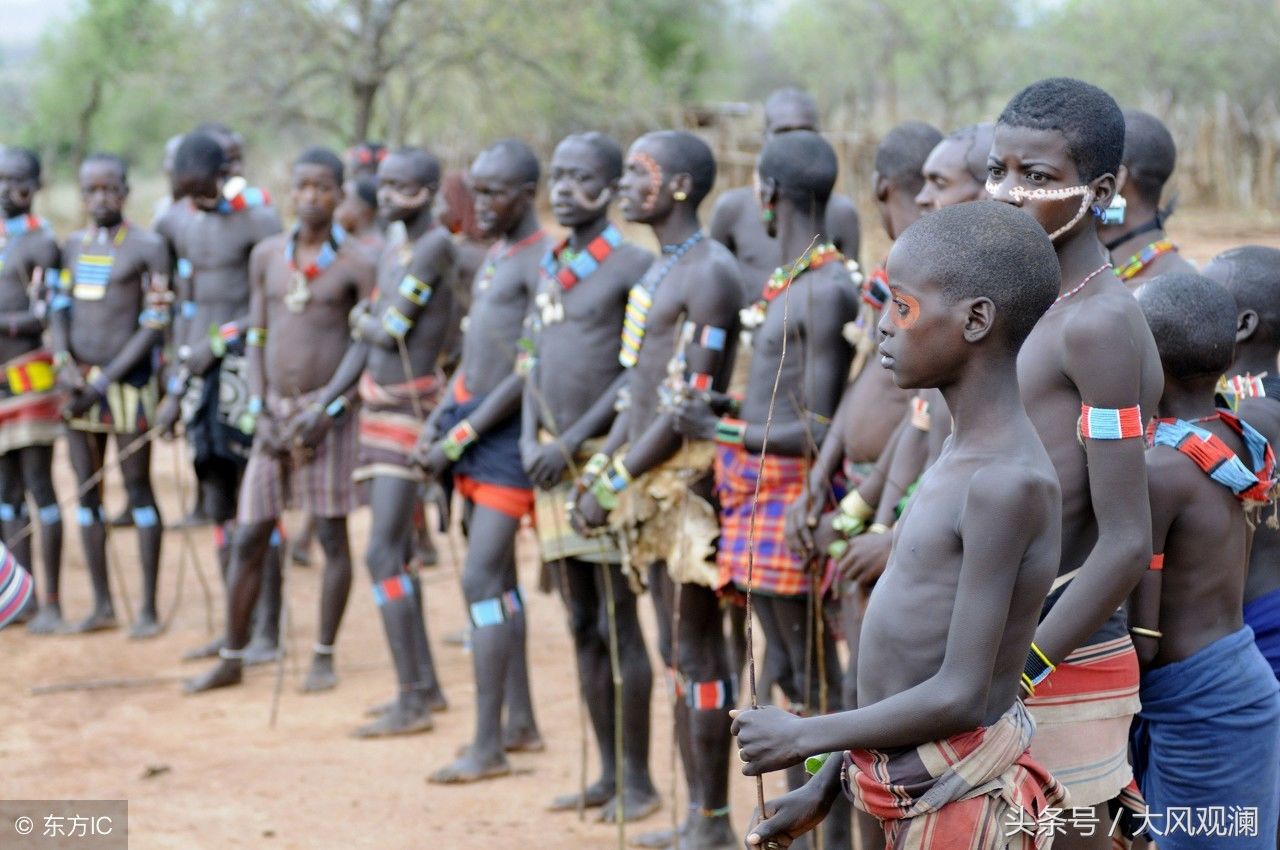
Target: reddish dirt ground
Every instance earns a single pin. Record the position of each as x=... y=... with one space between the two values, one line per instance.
x=209 y=772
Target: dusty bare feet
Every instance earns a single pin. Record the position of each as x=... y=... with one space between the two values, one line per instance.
x=228 y=672
x=206 y=650
x=260 y=651
x=472 y=766
x=146 y=626
x=102 y=618
x=321 y=676
x=408 y=716
x=596 y=795
x=48 y=620
x=637 y=804
x=522 y=741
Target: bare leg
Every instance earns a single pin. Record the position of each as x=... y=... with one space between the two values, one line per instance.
x=264 y=646
x=704 y=666
x=86 y=452
x=136 y=469
x=301 y=551
x=853 y=603
x=336 y=587
x=391 y=500
x=488 y=581
x=248 y=552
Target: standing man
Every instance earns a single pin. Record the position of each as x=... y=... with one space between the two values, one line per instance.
x=109 y=317
x=476 y=435
x=797 y=326
x=740 y=225
x=30 y=407
x=398 y=338
x=1133 y=224
x=210 y=239
x=677 y=339
x=1090 y=376
x=569 y=400
x=304 y=286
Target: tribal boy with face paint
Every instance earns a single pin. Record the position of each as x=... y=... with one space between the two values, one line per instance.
x=110 y=314
x=571 y=388
x=655 y=486
x=1090 y=377
x=30 y=406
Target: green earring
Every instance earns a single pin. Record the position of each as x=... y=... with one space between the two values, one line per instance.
x=766 y=215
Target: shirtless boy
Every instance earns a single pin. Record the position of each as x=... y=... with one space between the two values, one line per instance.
x=109 y=317
x=1208 y=735
x=946 y=632
x=571 y=387
x=30 y=406
x=303 y=287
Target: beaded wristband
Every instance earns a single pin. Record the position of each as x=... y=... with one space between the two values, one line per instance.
x=415 y=290
x=856 y=507
x=877 y=528
x=256 y=337
x=337 y=407
x=731 y=432
x=1150 y=633
x=837 y=548
x=396 y=324
x=458 y=439
x=847 y=526
x=596 y=465
x=617 y=476
x=1036 y=669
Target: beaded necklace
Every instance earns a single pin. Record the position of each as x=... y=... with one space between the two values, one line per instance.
x=563 y=268
x=500 y=253
x=19 y=225
x=1148 y=255
x=1253 y=487
x=640 y=299
x=238 y=195
x=299 y=294
x=93 y=271
x=1079 y=286
x=782 y=278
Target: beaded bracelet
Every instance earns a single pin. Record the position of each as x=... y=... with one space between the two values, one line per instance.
x=730 y=431
x=1036 y=669
x=337 y=407
x=458 y=439
x=596 y=465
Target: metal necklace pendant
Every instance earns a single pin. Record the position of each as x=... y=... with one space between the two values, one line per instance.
x=299 y=295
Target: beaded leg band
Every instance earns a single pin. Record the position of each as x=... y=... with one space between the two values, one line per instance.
x=496 y=610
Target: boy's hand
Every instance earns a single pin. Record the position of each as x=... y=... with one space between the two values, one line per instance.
x=695 y=420
x=587 y=514
x=790 y=816
x=767 y=739
x=167 y=414
x=800 y=520
x=545 y=465
x=865 y=559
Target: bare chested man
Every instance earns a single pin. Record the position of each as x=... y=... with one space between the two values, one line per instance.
x=1090 y=376
x=796 y=326
x=109 y=318
x=738 y=222
x=395 y=359
x=1252 y=275
x=872 y=407
x=210 y=239
x=1133 y=223
x=677 y=340
x=303 y=287
x=476 y=436
x=568 y=407
x=30 y=406
x=937 y=747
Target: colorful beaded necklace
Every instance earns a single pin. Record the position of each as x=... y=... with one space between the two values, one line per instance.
x=563 y=268
x=93 y=271
x=299 y=293
x=500 y=253
x=1148 y=255
x=782 y=278
x=640 y=299
x=1213 y=456
x=238 y=195
x=1079 y=286
x=19 y=225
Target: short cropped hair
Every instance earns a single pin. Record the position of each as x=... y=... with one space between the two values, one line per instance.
x=1088 y=117
x=426 y=167
x=976 y=140
x=366 y=190
x=793 y=98
x=988 y=250
x=685 y=153
x=803 y=165
x=1149 y=153
x=901 y=154
x=519 y=157
x=108 y=159
x=29 y=158
x=322 y=157
x=1193 y=321
x=1252 y=276
x=606 y=149
x=199 y=155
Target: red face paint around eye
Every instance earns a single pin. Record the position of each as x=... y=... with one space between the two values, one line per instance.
x=906 y=310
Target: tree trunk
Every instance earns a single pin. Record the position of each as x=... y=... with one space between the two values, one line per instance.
x=84 y=121
x=364 y=93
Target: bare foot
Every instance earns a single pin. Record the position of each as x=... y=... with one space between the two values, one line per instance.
x=434 y=698
x=260 y=651
x=101 y=619
x=146 y=626
x=401 y=720
x=471 y=767
x=48 y=621
x=637 y=804
x=709 y=833
x=207 y=650
x=662 y=839
x=597 y=794
x=522 y=741
x=227 y=673
x=321 y=676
